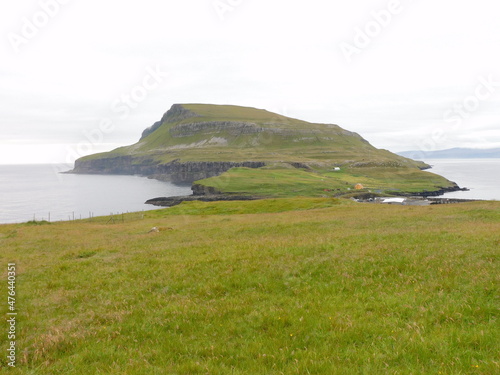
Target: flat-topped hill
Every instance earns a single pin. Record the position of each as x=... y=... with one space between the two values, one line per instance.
x=197 y=141
x=203 y=132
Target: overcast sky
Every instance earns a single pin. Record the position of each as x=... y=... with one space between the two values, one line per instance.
x=79 y=77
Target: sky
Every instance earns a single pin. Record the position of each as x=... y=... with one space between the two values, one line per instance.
x=80 y=77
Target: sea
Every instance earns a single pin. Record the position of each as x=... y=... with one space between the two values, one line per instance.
x=42 y=192
x=480 y=176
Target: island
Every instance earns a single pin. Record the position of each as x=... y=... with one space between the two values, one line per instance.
x=247 y=153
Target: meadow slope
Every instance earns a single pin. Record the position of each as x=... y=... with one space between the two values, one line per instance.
x=282 y=286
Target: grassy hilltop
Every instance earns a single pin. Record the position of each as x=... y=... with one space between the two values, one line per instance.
x=199 y=137
x=205 y=132
x=281 y=286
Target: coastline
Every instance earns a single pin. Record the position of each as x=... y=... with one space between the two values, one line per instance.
x=40 y=192
x=208 y=195
x=462 y=193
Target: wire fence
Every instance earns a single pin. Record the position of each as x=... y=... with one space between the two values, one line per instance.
x=112 y=218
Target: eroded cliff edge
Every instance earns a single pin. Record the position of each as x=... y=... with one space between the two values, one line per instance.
x=175 y=171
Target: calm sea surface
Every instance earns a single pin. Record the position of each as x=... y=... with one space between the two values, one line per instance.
x=34 y=191
x=28 y=191
x=481 y=176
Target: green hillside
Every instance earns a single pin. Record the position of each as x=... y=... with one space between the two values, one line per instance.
x=195 y=132
x=191 y=136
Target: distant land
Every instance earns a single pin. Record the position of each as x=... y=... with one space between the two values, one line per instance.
x=453 y=153
x=226 y=149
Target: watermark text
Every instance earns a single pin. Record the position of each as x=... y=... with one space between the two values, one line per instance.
x=364 y=36
x=31 y=26
x=222 y=7
x=12 y=314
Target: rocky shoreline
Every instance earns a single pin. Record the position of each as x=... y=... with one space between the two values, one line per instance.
x=436 y=193
x=209 y=194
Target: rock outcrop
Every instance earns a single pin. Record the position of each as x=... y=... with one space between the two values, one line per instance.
x=176 y=113
x=205 y=128
x=192 y=171
x=174 y=201
x=175 y=171
x=436 y=193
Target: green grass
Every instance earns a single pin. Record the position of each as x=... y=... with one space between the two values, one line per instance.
x=292 y=286
x=280 y=139
x=232 y=112
x=287 y=182
x=251 y=207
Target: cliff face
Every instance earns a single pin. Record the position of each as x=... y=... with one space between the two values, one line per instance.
x=206 y=128
x=174 y=114
x=125 y=165
x=192 y=171
x=175 y=171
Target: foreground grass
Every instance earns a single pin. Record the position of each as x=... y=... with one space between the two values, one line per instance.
x=250 y=288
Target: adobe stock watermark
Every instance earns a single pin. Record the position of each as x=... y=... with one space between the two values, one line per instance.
x=129 y=101
x=222 y=7
x=459 y=113
x=472 y=103
x=122 y=106
x=11 y=314
x=364 y=36
x=32 y=26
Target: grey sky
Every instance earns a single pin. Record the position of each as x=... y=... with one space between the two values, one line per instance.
x=80 y=77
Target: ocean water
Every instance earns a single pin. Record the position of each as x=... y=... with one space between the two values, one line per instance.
x=30 y=192
x=481 y=176
x=34 y=191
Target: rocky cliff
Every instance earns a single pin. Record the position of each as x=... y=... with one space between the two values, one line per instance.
x=176 y=113
x=175 y=171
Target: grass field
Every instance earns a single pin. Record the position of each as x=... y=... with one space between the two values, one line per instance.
x=292 y=182
x=282 y=286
